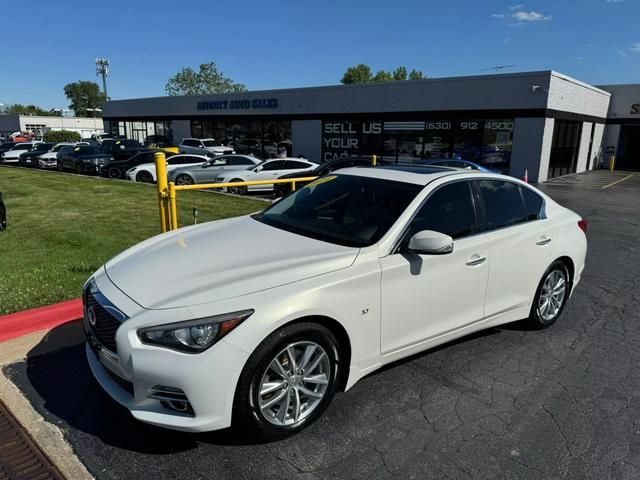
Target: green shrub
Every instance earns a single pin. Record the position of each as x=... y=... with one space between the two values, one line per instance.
x=57 y=136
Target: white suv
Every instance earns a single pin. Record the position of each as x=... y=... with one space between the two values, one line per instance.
x=200 y=146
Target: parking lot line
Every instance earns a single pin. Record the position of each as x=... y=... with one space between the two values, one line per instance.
x=617 y=181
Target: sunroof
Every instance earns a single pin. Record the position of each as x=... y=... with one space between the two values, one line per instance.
x=425 y=170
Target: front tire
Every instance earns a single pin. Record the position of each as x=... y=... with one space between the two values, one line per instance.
x=144 y=177
x=288 y=381
x=551 y=296
x=114 y=172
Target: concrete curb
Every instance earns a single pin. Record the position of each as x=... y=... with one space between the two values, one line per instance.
x=21 y=323
x=46 y=435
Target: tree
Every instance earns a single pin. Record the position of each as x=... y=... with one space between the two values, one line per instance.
x=206 y=81
x=19 y=109
x=82 y=95
x=362 y=74
x=358 y=74
x=57 y=136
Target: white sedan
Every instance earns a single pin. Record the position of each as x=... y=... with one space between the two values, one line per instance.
x=202 y=328
x=146 y=172
x=268 y=170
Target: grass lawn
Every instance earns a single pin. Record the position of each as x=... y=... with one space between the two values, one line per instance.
x=63 y=227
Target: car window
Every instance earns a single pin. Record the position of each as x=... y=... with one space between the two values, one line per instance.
x=343 y=209
x=175 y=161
x=532 y=203
x=240 y=161
x=448 y=210
x=191 y=143
x=503 y=204
x=142 y=158
x=293 y=165
x=275 y=165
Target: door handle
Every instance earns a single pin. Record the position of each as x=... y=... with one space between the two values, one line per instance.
x=476 y=260
x=543 y=241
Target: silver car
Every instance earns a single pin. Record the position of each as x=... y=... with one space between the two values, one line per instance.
x=209 y=171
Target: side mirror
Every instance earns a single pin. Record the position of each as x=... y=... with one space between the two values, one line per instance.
x=429 y=242
x=258 y=169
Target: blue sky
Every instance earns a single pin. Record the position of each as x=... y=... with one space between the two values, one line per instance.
x=291 y=43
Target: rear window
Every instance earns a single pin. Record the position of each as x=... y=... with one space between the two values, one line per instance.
x=503 y=203
x=532 y=203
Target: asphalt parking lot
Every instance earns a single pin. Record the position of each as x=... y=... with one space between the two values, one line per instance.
x=505 y=403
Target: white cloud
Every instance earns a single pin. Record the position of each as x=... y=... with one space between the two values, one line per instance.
x=498 y=15
x=579 y=58
x=519 y=6
x=615 y=1
x=531 y=16
x=635 y=47
x=622 y=53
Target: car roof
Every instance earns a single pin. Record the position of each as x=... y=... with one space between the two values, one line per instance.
x=419 y=175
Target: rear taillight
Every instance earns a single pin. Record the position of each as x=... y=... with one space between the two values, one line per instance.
x=583 y=225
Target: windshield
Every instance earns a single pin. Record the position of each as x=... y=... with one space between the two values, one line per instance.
x=88 y=150
x=343 y=209
x=212 y=143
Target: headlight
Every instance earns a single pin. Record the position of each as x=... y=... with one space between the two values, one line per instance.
x=193 y=336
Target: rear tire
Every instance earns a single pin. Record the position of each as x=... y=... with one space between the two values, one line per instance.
x=242 y=190
x=291 y=397
x=184 y=179
x=551 y=296
x=114 y=172
x=144 y=177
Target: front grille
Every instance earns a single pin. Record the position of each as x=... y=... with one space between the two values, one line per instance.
x=102 y=319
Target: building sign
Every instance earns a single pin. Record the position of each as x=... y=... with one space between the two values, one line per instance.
x=635 y=109
x=242 y=104
x=350 y=138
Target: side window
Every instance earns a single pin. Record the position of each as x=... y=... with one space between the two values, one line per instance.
x=190 y=143
x=503 y=204
x=276 y=165
x=532 y=203
x=175 y=161
x=293 y=165
x=448 y=210
x=240 y=161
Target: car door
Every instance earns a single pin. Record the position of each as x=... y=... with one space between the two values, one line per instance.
x=520 y=244
x=209 y=172
x=424 y=296
x=269 y=171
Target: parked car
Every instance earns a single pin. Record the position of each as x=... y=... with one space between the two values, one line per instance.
x=82 y=159
x=4 y=147
x=3 y=214
x=353 y=272
x=268 y=170
x=117 y=168
x=50 y=159
x=455 y=163
x=122 y=149
x=31 y=157
x=158 y=141
x=208 y=172
x=146 y=172
x=198 y=145
x=282 y=189
x=13 y=154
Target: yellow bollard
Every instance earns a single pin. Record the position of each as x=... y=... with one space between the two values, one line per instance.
x=173 y=209
x=161 y=175
x=374 y=160
x=293 y=186
x=612 y=163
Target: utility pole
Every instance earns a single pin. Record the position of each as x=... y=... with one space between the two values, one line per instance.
x=102 y=69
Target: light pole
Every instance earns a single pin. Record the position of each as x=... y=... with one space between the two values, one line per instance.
x=102 y=69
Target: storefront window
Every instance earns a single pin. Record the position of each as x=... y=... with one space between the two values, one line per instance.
x=484 y=141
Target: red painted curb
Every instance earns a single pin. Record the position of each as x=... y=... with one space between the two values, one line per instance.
x=28 y=321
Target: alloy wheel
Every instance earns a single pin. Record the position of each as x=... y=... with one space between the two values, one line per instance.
x=552 y=295
x=294 y=383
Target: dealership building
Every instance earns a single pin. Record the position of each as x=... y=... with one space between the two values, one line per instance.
x=39 y=125
x=544 y=123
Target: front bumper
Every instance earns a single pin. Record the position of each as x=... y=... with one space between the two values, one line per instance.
x=131 y=376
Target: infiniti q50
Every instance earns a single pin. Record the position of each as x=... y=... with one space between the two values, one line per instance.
x=258 y=321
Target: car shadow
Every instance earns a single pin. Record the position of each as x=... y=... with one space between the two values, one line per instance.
x=56 y=378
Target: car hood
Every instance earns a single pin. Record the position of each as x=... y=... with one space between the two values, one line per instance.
x=220 y=260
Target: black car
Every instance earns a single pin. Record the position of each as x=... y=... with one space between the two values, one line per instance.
x=30 y=158
x=282 y=189
x=82 y=159
x=3 y=214
x=117 y=168
x=121 y=149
